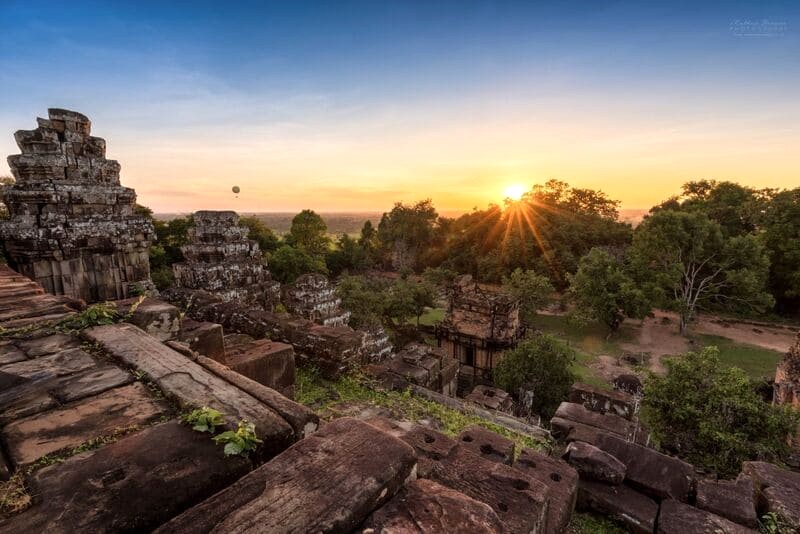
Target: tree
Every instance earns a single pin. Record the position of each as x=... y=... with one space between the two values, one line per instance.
x=406 y=231
x=689 y=264
x=364 y=298
x=781 y=235
x=711 y=415
x=603 y=291
x=261 y=234
x=309 y=233
x=533 y=290
x=542 y=364
x=288 y=263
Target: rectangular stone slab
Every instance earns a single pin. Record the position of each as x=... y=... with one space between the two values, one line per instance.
x=519 y=500
x=650 y=471
x=424 y=507
x=678 y=518
x=31 y=438
x=58 y=364
x=328 y=482
x=135 y=484
x=626 y=505
x=488 y=444
x=604 y=421
x=191 y=385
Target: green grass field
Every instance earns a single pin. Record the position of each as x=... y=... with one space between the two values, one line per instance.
x=757 y=362
x=589 y=341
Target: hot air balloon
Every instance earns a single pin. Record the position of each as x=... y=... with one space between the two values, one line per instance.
x=235 y=189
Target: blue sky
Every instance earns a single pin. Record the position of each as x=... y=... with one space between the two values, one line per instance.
x=340 y=105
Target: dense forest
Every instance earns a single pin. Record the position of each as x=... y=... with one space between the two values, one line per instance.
x=717 y=246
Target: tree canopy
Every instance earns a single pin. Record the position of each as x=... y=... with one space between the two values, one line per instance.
x=309 y=233
x=602 y=290
x=689 y=264
x=533 y=290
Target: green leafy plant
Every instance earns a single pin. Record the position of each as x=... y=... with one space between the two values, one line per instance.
x=772 y=523
x=241 y=442
x=94 y=315
x=204 y=419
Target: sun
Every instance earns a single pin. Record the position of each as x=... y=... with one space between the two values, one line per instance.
x=514 y=191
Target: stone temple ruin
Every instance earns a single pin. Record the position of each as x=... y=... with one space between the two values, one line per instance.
x=92 y=434
x=787 y=387
x=220 y=259
x=311 y=296
x=479 y=325
x=73 y=227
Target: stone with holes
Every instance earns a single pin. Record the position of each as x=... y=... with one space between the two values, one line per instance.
x=560 y=478
x=519 y=500
x=424 y=506
x=488 y=444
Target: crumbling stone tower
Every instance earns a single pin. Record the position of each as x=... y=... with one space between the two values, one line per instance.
x=221 y=260
x=312 y=297
x=72 y=227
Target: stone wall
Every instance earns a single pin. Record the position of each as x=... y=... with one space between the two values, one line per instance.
x=220 y=259
x=73 y=227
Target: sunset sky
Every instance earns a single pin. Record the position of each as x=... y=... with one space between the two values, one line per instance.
x=342 y=106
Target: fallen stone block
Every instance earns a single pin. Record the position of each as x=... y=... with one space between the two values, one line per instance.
x=569 y=431
x=204 y=338
x=425 y=507
x=603 y=400
x=303 y=420
x=594 y=464
x=560 y=478
x=491 y=398
x=608 y=422
x=134 y=484
x=191 y=385
x=519 y=500
x=31 y=438
x=488 y=444
x=267 y=362
x=678 y=518
x=156 y=317
x=328 y=482
x=731 y=499
x=777 y=490
x=650 y=471
x=626 y=505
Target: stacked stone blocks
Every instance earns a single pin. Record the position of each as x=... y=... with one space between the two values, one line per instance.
x=73 y=227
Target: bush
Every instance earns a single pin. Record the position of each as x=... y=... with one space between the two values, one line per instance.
x=712 y=416
x=542 y=364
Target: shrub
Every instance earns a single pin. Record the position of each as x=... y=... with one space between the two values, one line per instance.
x=712 y=416
x=542 y=364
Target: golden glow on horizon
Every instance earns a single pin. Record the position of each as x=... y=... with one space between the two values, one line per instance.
x=515 y=191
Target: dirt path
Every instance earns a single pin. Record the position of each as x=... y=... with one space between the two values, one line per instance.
x=658 y=336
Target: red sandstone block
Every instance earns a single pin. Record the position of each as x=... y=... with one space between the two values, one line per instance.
x=267 y=362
